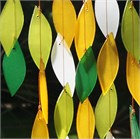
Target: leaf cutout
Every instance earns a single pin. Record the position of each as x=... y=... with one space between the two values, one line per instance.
x=107 y=63
x=43 y=91
x=133 y=77
x=135 y=131
x=63 y=63
x=64 y=18
x=86 y=75
x=40 y=129
x=14 y=69
x=85 y=29
x=63 y=114
x=11 y=23
x=107 y=20
x=85 y=121
x=109 y=136
x=130 y=30
x=105 y=111
x=40 y=37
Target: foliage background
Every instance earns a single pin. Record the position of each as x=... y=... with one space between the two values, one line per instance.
x=18 y=112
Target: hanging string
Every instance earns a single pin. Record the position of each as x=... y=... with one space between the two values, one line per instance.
x=41 y=61
x=106 y=20
x=39 y=16
x=132 y=42
x=15 y=16
x=62 y=41
x=85 y=10
x=106 y=12
x=85 y=43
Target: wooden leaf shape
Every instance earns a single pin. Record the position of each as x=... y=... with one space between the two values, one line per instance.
x=63 y=114
x=109 y=136
x=64 y=18
x=135 y=131
x=11 y=23
x=85 y=121
x=43 y=91
x=40 y=129
x=133 y=77
x=85 y=29
x=63 y=63
x=40 y=37
x=107 y=63
x=105 y=111
x=130 y=30
x=107 y=20
x=86 y=75
x=14 y=69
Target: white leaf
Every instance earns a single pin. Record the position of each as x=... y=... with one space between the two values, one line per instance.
x=109 y=136
x=63 y=63
x=107 y=16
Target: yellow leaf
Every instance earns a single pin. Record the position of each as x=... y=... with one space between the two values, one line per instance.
x=85 y=29
x=63 y=114
x=85 y=121
x=43 y=92
x=133 y=77
x=11 y=23
x=40 y=129
x=40 y=38
x=107 y=63
x=64 y=18
x=105 y=111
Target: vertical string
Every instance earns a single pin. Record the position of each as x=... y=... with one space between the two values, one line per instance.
x=85 y=43
x=63 y=41
x=39 y=16
x=132 y=42
x=106 y=19
x=85 y=35
x=15 y=17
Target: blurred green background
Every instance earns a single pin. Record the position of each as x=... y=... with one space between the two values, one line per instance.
x=18 y=112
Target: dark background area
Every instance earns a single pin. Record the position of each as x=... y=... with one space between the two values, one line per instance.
x=18 y=112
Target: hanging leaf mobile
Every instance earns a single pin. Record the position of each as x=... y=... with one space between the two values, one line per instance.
x=107 y=65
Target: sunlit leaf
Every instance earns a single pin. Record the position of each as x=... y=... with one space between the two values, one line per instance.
x=40 y=37
x=86 y=75
x=43 y=92
x=109 y=136
x=64 y=18
x=40 y=129
x=85 y=28
x=107 y=20
x=105 y=112
x=135 y=131
x=14 y=69
x=107 y=63
x=133 y=77
x=11 y=23
x=85 y=121
x=63 y=114
x=130 y=30
x=63 y=63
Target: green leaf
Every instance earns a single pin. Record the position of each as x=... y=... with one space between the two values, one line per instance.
x=63 y=114
x=40 y=38
x=135 y=131
x=14 y=69
x=86 y=75
x=11 y=23
x=130 y=30
x=105 y=111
